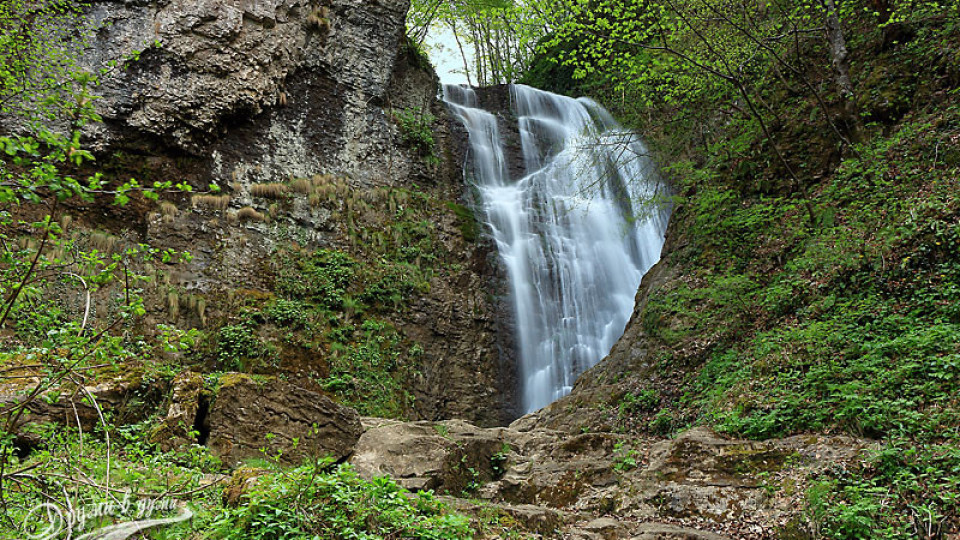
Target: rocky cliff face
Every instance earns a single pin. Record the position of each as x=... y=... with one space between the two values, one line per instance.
x=297 y=111
x=314 y=75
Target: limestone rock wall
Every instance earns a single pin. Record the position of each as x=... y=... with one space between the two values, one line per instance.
x=238 y=93
x=316 y=72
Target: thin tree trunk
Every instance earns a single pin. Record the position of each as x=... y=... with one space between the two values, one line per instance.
x=463 y=55
x=839 y=55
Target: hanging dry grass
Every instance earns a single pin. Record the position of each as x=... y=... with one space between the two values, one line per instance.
x=169 y=212
x=197 y=305
x=173 y=305
x=167 y=208
x=269 y=191
x=213 y=202
x=250 y=214
x=103 y=242
x=323 y=179
x=300 y=185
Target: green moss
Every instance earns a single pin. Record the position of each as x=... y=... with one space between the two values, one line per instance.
x=232 y=379
x=466 y=221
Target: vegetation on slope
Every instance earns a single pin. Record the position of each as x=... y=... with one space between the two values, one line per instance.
x=817 y=232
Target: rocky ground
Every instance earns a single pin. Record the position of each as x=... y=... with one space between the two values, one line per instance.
x=601 y=485
x=531 y=480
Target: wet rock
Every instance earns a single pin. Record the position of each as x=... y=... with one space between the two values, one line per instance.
x=284 y=420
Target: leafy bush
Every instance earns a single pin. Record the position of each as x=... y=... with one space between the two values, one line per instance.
x=322 y=277
x=368 y=374
x=314 y=501
x=239 y=348
x=416 y=130
x=645 y=400
x=287 y=313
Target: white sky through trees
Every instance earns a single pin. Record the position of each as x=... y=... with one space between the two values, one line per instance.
x=445 y=55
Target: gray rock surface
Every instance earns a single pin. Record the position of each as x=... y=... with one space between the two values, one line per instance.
x=449 y=457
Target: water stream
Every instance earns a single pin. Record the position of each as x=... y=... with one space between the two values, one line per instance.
x=576 y=230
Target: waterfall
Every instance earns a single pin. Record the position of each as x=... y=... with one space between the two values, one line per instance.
x=576 y=231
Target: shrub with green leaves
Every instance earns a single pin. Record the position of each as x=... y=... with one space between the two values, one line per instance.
x=368 y=372
x=416 y=130
x=322 y=277
x=317 y=501
x=239 y=348
x=290 y=314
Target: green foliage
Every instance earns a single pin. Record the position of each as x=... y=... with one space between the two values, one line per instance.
x=854 y=503
x=419 y=57
x=394 y=286
x=624 y=458
x=466 y=221
x=290 y=314
x=645 y=400
x=502 y=33
x=663 y=423
x=37 y=60
x=321 y=277
x=498 y=461
x=316 y=501
x=126 y=461
x=416 y=131
x=368 y=373
x=239 y=348
x=709 y=308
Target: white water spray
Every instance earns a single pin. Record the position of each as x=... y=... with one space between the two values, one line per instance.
x=576 y=233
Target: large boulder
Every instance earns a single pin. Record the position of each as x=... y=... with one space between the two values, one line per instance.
x=251 y=418
x=449 y=457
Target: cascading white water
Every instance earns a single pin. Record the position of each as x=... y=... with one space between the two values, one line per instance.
x=576 y=233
